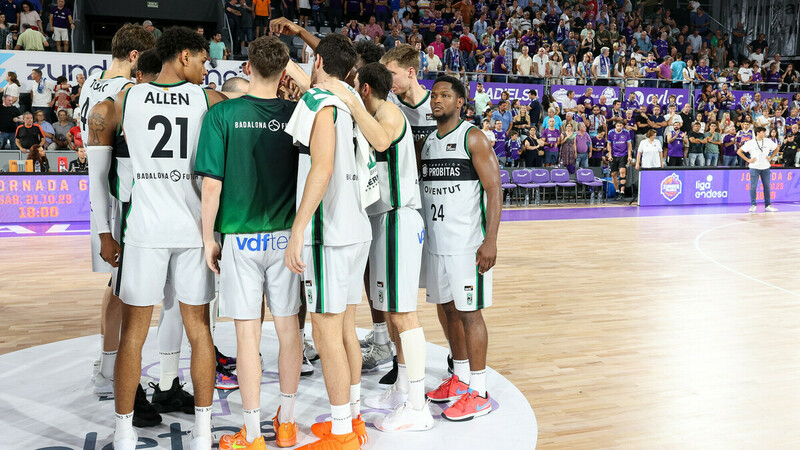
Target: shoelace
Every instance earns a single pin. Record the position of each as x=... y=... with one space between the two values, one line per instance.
x=461 y=403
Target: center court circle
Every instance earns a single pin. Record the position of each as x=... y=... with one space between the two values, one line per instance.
x=51 y=406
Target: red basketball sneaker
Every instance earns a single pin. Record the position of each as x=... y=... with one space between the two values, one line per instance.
x=468 y=406
x=451 y=389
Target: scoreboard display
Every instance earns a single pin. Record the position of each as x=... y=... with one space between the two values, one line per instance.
x=44 y=198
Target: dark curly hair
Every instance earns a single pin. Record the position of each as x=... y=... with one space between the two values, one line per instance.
x=178 y=39
x=369 y=51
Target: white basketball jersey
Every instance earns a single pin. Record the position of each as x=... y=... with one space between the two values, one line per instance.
x=93 y=92
x=162 y=126
x=397 y=175
x=339 y=219
x=452 y=195
x=419 y=116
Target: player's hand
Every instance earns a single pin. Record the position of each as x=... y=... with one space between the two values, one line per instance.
x=338 y=89
x=486 y=257
x=109 y=249
x=294 y=250
x=213 y=255
x=282 y=25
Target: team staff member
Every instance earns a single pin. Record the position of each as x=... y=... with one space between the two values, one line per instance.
x=249 y=167
x=396 y=250
x=462 y=216
x=330 y=237
x=163 y=238
x=760 y=150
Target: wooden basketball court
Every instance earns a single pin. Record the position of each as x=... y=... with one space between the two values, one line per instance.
x=674 y=331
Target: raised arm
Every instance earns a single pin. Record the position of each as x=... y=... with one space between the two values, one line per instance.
x=485 y=163
x=282 y=25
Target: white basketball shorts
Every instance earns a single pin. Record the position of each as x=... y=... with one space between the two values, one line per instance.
x=253 y=265
x=334 y=276
x=144 y=273
x=456 y=278
x=395 y=257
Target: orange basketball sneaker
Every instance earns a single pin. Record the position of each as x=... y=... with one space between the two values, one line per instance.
x=467 y=407
x=238 y=442
x=285 y=433
x=323 y=429
x=451 y=389
x=334 y=442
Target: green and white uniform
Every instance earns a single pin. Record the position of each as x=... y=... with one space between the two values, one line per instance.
x=455 y=219
x=244 y=144
x=397 y=228
x=95 y=91
x=420 y=117
x=337 y=237
x=163 y=237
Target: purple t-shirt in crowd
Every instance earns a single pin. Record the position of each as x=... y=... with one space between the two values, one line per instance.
x=550 y=138
x=496 y=68
x=630 y=104
x=650 y=65
x=662 y=47
x=675 y=148
x=513 y=149
x=705 y=71
x=582 y=142
x=499 y=143
x=60 y=17
x=619 y=142
x=791 y=121
x=729 y=145
x=582 y=101
x=600 y=147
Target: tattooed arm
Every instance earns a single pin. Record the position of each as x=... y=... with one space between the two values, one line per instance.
x=102 y=125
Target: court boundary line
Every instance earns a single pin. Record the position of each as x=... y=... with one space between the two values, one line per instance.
x=744 y=275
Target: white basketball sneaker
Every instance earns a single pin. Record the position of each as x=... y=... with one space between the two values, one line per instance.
x=753 y=209
x=771 y=208
x=406 y=418
x=127 y=444
x=390 y=399
x=103 y=385
x=200 y=443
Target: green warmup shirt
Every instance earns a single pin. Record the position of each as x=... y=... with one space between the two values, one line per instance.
x=244 y=144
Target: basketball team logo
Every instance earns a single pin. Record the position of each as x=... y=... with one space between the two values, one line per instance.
x=469 y=290
x=175 y=176
x=428 y=116
x=671 y=187
x=424 y=170
x=274 y=125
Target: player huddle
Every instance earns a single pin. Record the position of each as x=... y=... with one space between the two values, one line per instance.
x=297 y=202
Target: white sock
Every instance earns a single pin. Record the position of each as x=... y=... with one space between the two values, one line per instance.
x=402 y=378
x=355 y=400
x=477 y=382
x=287 y=408
x=381 y=331
x=341 y=419
x=169 y=368
x=202 y=421
x=414 y=354
x=107 y=361
x=252 y=423
x=123 y=426
x=461 y=370
x=102 y=348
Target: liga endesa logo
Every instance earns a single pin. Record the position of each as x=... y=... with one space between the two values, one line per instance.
x=671 y=187
x=703 y=189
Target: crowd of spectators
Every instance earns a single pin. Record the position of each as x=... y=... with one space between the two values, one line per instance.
x=34 y=25
x=50 y=122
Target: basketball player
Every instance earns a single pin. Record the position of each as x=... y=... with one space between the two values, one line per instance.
x=331 y=234
x=161 y=121
x=414 y=101
x=112 y=158
x=396 y=251
x=249 y=169
x=126 y=45
x=462 y=200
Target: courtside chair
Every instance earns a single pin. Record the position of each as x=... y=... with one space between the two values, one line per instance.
x=586 y=178
x=542 y=178
x=524 y=180
x=561 y=178
x=509 y=188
